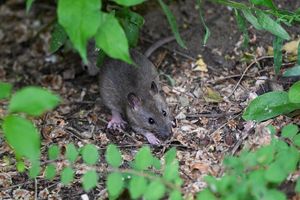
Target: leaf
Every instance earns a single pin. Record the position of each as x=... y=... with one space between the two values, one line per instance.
x=289 y=131
x=175 y=195
x=50 y=171
x=33 y=101
x=90 y=180
x=241 y=22
x=294 y=71
x=274 y=194
x=170 y=155
x=269 y=105
x=252 y=19
x=53 y=152
x=143 y=159
x=206 y=194
x=90 y=154
x=155 y=190
x=275 y=174
x=137 y=186
x=296 y=140
x=35 y=169
x=270 y=25
x=67 y=175
x=294 y=93
x=113 y=156
x=114 y=184
x=171 y=171
x=298 y=56
x=71 y=152
x=207 y=31
x=5 y=90
x=21 y=166
x=80 y=20
x=28 y=5
x=110 y=32
x=22 y=136
x=277 y=46
x=172 y=22
x=297 y=187
x=58 y=38
x=267 y=3
x=129 y=2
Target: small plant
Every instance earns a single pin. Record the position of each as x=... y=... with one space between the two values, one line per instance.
x=258 y=174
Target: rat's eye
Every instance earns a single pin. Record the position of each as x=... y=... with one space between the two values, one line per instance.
x=164 y=113
x=151 y=121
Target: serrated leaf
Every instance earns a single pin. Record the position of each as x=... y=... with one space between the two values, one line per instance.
x=172 y=22
x=137 y=186
x=33 y=101
x=171 y=171
x=50 y=171
x=294 y=93
x=269 y=105
x=90 y=180
x=113 y=156
x=170 y=155
x=80 y=20
x=5 y=90
x=143 y=159
x=58 y=38
x=110 y=32
x=275 y=174
x=206 y=194
x=294 y=71
x=277 y=46
x=267 y=3
x=114 y=184
x=90 y=154
x=34 y=169
x=67 y=175
x=290 y=130
x=272 y=26
x=175 y=195
x=22 y=136
x=53 y=152
x=71 y=152
x=154 y=191
x=252 y=19
x=129 y=2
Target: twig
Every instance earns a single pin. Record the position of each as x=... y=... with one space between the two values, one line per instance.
x=35 y=189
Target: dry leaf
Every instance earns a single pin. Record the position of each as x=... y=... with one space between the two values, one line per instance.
x=212 y=96
x=200 y=65
x=202 y=167
x=291 y=47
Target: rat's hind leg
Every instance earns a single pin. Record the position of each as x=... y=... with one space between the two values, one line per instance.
x=116 y=121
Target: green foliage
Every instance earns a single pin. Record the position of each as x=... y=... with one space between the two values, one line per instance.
x=114 y=184
x=294 y=93
x=58 y=39
x=53 y=152
x=50 y=171
x=71 y=152
x=143 y=159
x=207 y=31
x=28 y=5
x=137 y=186
x=159 y=189
x=90 y=180
x=257 y=174
x=5 y=90
x=277 y=45
x=34 y=169
x=113 y=156
x=33 y=101
x=90 y=154
x=67 y=175
x=129 y=2
x=294 y=71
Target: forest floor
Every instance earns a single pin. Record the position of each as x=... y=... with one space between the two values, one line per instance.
x=207 y=89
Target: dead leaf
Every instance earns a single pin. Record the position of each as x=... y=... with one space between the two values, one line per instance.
x=291 y=47
x=202 y=167
x=200 y=65
x=212 y=96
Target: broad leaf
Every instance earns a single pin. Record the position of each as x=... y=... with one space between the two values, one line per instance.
x=289 y=131
x=274 y=194
x=155 y=190
x=143 y=159
x=294 y=71
x=171 y=171
x=71 y=152
x=50 y=171
x=294 y=93
x=114 y=184
x=34 y=169
x=175 y=195
x=80 y=20
x=58 y=38
x=90 y=180
x=33 y=101
x=170 y=155
x=137 y=186
x=67 y=175
x=5 y=90
x=113 y=156
x=206 y=194
x=90 y=154
x=110 y=32
x=129 y=2
x=269 y=105
x=53 y=152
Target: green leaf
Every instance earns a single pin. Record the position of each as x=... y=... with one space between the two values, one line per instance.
x=277 y=46
x=143 y=159
x=20 y=166
x=294 y=93
x=289 y=131
x=156 y=163
x=5 y=90
x=265 y=155
x=67 y=175
x=33 y=101
x=171 y=171
x=288 y=159
x=172 y=22
x=155 y=190
x=269 y=105
x=175 y=195
x=71 y=152
x=90 y=154
x=298 y=56
x=53 y=152
x=170 y=155
x=207 y=31
x=137 y=186
x=272 y=26
x=113 y=156
x=275 y=174
x=80 y=20
x=296 y=140
x=267 y=3
x=22 y=136
x=274 y=194
x=28 y=5
x=271 y=129
x=90 y=180
x=206 y=194
x=294 y=71
x=35 y=169
x=297 y=188
x=114 y=184
x=58 y=38
x=252 y=19
x=50 y=171
x=129 y=2
x=241 y=22
x=110 y=32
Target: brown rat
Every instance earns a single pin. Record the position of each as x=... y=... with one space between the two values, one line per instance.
x=134 y=93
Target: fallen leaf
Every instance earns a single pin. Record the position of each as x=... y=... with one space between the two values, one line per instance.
x=291 y=47
x=202 y=167
x=200 y=65
x=212 y=96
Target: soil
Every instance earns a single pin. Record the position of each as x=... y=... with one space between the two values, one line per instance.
x=207 y=101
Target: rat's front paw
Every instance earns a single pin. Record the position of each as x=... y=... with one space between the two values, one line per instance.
x=116 y=123
x=152 y=139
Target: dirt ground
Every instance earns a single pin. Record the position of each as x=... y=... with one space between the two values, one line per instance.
x=212 y=85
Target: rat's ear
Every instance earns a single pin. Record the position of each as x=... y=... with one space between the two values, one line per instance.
x=154 y=88
x=133 y=100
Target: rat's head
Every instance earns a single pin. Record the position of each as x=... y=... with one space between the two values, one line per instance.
x=151 y=113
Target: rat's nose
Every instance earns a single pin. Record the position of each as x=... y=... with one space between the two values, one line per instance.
x=166 y=133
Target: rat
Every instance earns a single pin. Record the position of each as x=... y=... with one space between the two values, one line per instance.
x=133 y=93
